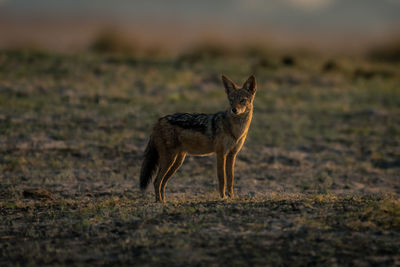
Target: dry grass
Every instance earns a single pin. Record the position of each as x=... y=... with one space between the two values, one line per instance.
x=317 y=181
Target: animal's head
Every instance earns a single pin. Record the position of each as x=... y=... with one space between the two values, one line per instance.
x=240 y=98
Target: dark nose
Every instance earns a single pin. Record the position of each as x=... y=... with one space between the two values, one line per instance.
x=234 y=110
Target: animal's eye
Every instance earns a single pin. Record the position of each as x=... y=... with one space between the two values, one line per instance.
x=243 y=101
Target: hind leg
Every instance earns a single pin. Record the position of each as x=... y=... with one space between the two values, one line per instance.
x=177 y=164
x=166 y=162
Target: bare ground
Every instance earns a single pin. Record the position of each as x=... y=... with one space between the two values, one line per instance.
x=317 y=182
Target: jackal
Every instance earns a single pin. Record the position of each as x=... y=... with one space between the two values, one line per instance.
x=175 y=136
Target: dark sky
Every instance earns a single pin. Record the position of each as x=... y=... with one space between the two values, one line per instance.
x=340 y=18
x=368 y=15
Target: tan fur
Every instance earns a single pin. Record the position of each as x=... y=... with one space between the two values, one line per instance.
x=173 y=142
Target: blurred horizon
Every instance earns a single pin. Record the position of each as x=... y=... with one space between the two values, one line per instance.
x=332 y=25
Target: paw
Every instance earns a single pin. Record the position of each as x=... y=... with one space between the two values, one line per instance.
x=223 y=197
x=158 y=200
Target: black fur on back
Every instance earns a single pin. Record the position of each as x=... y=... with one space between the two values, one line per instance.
x=196 y=121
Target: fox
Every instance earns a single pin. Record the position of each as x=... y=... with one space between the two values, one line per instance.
x=180 y=134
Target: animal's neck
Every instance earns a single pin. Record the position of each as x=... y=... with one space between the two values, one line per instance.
x=239 y=124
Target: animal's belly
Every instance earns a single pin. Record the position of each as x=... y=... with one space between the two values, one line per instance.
x=202 y=154
x=196 y=144
x=199 y=149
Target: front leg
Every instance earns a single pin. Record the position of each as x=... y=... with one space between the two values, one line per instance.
x=230 y=165
x=221 y=159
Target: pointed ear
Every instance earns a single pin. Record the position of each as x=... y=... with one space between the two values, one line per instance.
x=228 y=84
x=250 y=85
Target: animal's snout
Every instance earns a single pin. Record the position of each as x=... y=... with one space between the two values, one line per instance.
x=234 y=110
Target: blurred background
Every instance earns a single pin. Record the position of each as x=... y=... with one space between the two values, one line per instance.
x=83 y=82
x=176 y=25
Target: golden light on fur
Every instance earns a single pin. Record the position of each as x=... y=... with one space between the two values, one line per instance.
x=174 y=136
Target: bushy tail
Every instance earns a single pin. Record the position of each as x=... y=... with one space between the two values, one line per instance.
x=149 y=165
